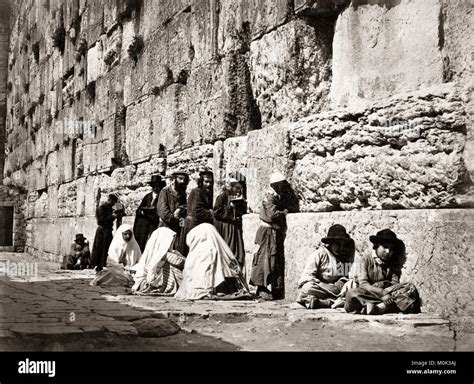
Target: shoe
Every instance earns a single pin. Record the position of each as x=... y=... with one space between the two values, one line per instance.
x=265 y=296
x=372 y=309
x=339 y=303
x=314 y=303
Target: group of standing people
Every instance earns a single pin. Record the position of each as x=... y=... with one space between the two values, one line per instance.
x=188 y=247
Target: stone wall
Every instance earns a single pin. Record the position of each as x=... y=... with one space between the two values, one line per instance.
x=438 y=242
x=364 y=105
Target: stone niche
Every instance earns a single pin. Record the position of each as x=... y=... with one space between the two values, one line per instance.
x=438 y=244
x=12 y=221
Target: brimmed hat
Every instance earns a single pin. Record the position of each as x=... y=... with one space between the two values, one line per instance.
x=156 y=180
x=336 y=232
x=80 y=237
x=206 y=172
x=385 y=236
x=277 y=177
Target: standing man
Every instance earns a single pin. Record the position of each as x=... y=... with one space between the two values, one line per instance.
x=103 y=236
x=146 y=218
x=199 y=206
x=172 y=207
x=269 y=261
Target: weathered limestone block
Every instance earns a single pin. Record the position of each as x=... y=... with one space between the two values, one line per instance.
x=139 y=130
x=267 y=151
x=192 y=161
x=291 y=70
x=156 y=165
x=67 y=200
x=92 y=21
x=241 y=21
x=95 y=62
x=368 y=63
x=404 y=152
x=229 y=157
x=439 y=258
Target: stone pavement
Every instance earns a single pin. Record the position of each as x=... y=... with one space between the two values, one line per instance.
x=58 y=310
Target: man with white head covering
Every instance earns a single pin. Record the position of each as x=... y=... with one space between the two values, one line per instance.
x=268 y=262
x=124 y=253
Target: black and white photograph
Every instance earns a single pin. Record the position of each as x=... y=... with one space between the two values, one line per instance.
x=237 y=176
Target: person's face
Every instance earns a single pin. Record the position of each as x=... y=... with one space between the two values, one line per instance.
x=236 y=189
x=278 y=187
x=127 y=235
x=181 y=182
x=339 y=247
x=207 y=182
x=111 y=201
x=156 y=188
x=384 y=251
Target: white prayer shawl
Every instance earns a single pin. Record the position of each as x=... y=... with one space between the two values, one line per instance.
x=154 y=255
x=208 y=263
x=122 y=252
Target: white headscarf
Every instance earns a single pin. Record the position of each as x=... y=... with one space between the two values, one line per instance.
x=154 y=254
x=124 y=252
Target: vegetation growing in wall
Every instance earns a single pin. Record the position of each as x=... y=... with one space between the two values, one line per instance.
x=41 y=99
x=81 y=49
x=59 y=37
x=90 y=91
x=130 y=7
x=136 y=48
x=36 y=51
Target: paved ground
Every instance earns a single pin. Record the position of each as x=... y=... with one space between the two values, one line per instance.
x=57 y=310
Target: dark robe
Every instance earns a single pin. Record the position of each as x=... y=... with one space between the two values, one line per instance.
x=228 y=222
x=78 y=257
x=199 y=210
x=268 y=266
x=146 y=220
x=170 y=200
x=103 y=235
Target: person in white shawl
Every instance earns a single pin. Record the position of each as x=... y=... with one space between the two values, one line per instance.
x=124 y=253
x=159 y=271
x=209 y=262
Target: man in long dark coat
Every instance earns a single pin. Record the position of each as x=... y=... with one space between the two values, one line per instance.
x=229 y=208
x=268 y=267
x=199 y=206
x=103 y=236
x=172 y=207
x=146 y=218
x=79 y=254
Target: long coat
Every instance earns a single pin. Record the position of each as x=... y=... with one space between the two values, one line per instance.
x=228 y=222
x=103 y=235
x=146 y=219
x=169 y=201
x=199 y=211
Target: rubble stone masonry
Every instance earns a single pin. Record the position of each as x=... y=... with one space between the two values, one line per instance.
x=364 y=105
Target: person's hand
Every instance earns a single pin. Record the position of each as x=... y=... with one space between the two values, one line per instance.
x=231 y=204
x=387 y=299
x=177 y=212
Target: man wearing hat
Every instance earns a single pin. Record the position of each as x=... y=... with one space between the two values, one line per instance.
x=172 y=206
x=326 y=270
x=269 y=262
x=377 y=279
x=199 y=206
x=146 y=217
x=79 y=256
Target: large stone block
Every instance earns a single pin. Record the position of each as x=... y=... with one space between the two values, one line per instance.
x=291 y=70
x=369 y=63
x=439 y=258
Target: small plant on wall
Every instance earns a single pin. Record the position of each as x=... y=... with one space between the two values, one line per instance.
x=136 y=48
x=90 y=91
x=81 y=50
x=59 y=37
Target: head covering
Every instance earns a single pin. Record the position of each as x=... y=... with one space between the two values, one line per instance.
x=336 y=232
x=208 y=263
x=179 y=173
x=80 y=237
x=385 y=236
x=156 y=180
x=154 y=254
x=123 y=252
x=277 y=177
x=206 y=172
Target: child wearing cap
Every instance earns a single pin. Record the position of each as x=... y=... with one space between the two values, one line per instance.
x=377 y=279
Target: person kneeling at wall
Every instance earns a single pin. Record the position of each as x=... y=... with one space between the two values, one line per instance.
x=326 y=270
